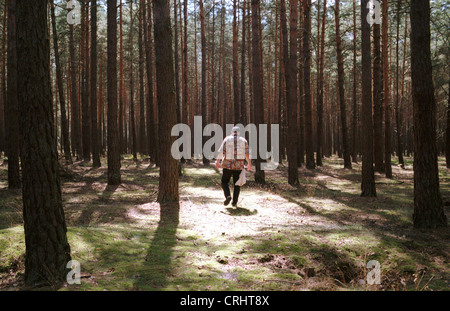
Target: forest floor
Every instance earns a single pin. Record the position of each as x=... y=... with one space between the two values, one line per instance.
x=317 y=236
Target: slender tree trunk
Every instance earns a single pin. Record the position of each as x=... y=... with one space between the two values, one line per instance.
x=95 y=145
x=387 y=93
x=447 y=134
x=355 y=103
x=340 y=61
x=243 y=112
x=142 y=140
x=59 y=80
x=85 y=112
x=310 y=164
x=397 y=97
x=122 y=139
x=368 y=178
x=320 y=124
x=11 y=107
x=165 y=79
x=257 y=82
x=235 y=66
x=301 y=95
x=3 y=82
x=113 y=137
x=428 y=206
x=151 y=141
x=185 y=81
x=203 y=44
x=47 y=248
x=132 y=112
x=290 y=62
x=177 y=61
x=76 y=135
x=378 y=141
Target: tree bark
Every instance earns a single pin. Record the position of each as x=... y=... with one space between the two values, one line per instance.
x=355 y=103
x=177 y=62
x=368 y=178
x=165 y=79
x=387 y=93
x=243 y=112
x=122 y=139
x=447 y=134
x=257 y=82
x=3 y=83
x=320 y=124
x=377 y=102
x=203 y=65
x=85 y=112
x=397 y=97
x=290 y=61
x=11 y=107
x=235 y=66
x=142 y=141
x=95 y=146
x=132 y=112
x=152 y=139
x=310 y=164
x=113 y=137
x=340 y=63
x=59 y=80
x=428 y=206
x=47 y=248
x=76 y=134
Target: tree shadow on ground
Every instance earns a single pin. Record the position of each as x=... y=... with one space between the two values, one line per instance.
x=158 y=261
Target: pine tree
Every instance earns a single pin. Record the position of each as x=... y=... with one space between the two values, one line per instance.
x=47 y=248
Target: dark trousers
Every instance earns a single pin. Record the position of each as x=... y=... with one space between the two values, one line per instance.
x=226 y=179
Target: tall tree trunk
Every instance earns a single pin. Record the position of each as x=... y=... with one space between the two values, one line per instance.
x=428 y=206
x=76 y=134
x=59 y=80
x=151 y=141
x=142 y=144
x=340 y=63
x=368 y=177
x=387 y=93
x=3 y=82
x=447 y=134
x=47 y=248
x=177 y=61
x=85 y=112
x=168 y=176
x=235 y=66
x=185 y=116
x=320 y=124
x=301 y=93
x=378 y=141
x=122 y=138
x=257 y=82
x=95 y=145
x=397 y=96
x=132 y=112
x=310 y=164
x=355 y=103
x=203 y=44
x=290 y=62
x=243 y=110
x=11 y=107
x=113 y=137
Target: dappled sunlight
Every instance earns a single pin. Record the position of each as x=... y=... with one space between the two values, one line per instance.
x=313 y=236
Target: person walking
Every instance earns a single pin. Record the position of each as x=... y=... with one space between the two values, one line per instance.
x=232 y=154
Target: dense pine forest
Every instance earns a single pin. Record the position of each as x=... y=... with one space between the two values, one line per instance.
x=357 y=193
